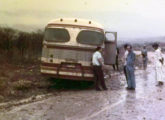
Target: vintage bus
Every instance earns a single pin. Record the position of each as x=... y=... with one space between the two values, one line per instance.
x=68 y=46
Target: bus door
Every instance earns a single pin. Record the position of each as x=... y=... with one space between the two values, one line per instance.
x=110 y=48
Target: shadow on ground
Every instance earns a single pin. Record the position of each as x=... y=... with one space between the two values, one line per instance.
x=64 y=84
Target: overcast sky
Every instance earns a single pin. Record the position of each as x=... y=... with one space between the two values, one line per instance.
x=130 y=18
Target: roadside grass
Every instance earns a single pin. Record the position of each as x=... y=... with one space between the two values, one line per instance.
x=64 y=84
x=22 y=85
x=3 y=83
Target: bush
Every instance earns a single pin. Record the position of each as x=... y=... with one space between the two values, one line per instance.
x=22 y=85
x=20 y=46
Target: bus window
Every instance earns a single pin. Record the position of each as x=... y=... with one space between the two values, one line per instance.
x=56 y=35
x=90 y=37
x=110 y=37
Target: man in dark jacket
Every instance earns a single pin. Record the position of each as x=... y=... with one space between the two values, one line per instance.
x=144 y=57
x=130 y=68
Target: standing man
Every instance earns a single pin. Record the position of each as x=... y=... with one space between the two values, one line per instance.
x=97 y=61
x=116 y=65
x=159 y=61
x=124 y=59
x=144 y=57
x=130 y=70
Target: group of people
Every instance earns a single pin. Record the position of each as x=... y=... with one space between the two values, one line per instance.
x=158 y=62
x=128 y=67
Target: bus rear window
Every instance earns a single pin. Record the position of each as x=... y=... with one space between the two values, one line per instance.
x=56 y=35
x=90 y=37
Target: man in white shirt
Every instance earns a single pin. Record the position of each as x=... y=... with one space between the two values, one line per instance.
x=159 y=61
x=97 y=61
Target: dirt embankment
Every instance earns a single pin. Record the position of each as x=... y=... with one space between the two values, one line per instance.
x=20 y=81
x=25 y=81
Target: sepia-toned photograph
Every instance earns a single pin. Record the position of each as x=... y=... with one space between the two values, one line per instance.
x=82 y=60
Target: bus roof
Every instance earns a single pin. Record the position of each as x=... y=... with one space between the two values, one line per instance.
x=75 y=22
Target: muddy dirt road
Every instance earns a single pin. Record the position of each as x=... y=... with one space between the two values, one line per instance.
x=147 y=102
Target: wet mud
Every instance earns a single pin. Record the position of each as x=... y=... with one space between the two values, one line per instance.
x=147 y=102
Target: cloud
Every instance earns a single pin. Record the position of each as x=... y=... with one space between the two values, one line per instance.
x=23 y=13
x=130 y=18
